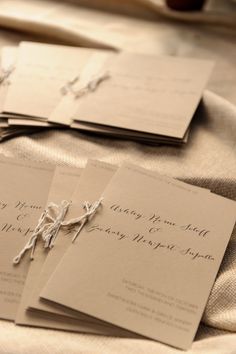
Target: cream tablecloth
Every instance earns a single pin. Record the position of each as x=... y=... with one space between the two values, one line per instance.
x=209 y=159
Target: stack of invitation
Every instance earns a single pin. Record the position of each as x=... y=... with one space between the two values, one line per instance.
x=88 y=251
x=125 y=95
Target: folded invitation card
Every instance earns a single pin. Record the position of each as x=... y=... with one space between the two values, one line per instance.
x=146 y=98
x=147 y=260
x=156 y=95
x=93 y=180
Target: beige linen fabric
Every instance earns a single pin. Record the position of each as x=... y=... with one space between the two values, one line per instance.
x=208 y=160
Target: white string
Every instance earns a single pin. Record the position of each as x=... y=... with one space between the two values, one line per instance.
x=5 y=73
x=82 y=220
x=48 y=231
x=68 y=87
x=33 y=239
x=91 y=86
x=50 y=234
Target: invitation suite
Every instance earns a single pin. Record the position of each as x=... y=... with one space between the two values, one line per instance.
x=148 y=258
x=146 y=98
x=147 y=94
x=24 y=191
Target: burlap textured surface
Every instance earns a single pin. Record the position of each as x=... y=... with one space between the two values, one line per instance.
x=208 y=160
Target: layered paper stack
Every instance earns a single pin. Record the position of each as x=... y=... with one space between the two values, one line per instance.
x=125 y=95
x=136 y=259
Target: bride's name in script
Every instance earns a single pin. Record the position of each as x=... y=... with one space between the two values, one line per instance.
x=156 y=219
x=19 y=205
x=22 y=205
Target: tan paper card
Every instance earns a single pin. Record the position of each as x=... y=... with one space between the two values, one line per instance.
x=98 y=130
x=94 y=178
x=29 y=122
x=96 y=173
x=126 y=134
x=41 y=73
x=149 y=94
x=148 y=259
x=63 y=184
x=46 y=314
x=24 y=191
x=91 y=184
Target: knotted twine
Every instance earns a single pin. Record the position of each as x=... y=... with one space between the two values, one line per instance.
x=49 y=226
x=90 y=86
